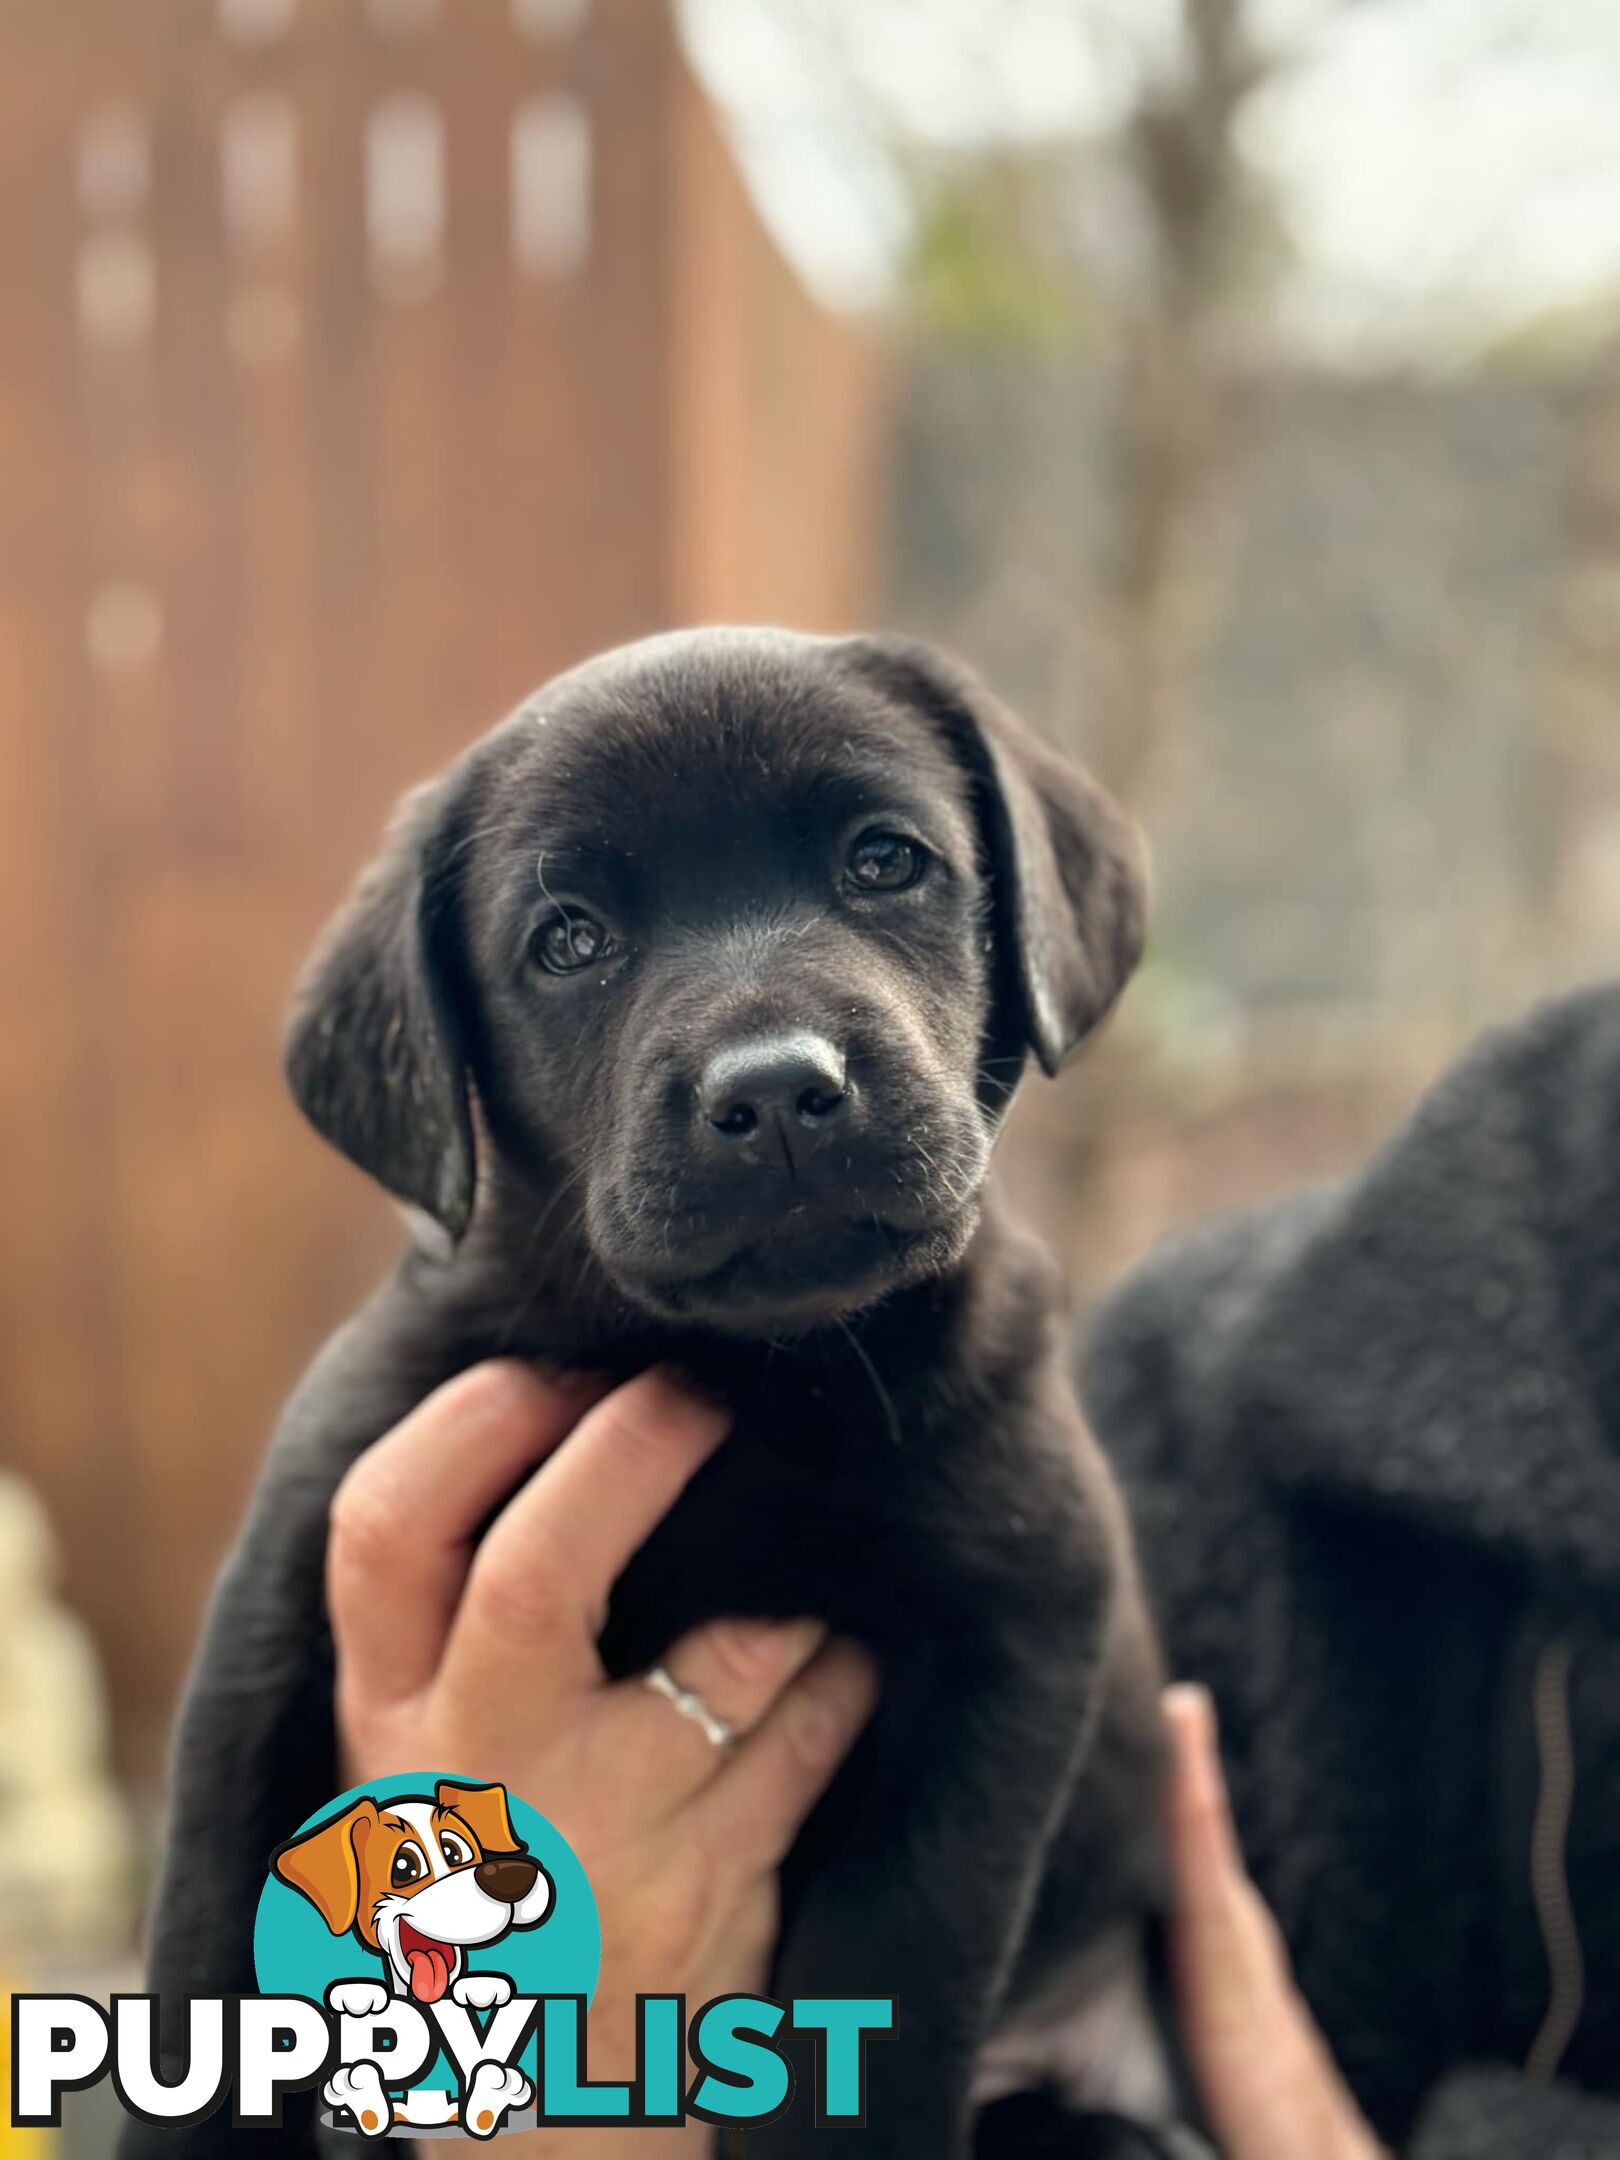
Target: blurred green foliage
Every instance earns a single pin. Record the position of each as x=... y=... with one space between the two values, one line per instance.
x=987 y=265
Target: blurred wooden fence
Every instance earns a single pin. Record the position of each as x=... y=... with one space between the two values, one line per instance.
x=359 y=365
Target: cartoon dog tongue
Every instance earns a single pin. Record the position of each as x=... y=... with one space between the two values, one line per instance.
x=430 y=1969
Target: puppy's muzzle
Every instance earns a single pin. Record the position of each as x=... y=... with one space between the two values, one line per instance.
x=507 y=1877
x=787 y=1090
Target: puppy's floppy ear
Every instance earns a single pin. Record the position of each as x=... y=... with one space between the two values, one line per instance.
x=1067 y=866
x=323 y=1864
x=484 y=1810
x=374 y=1053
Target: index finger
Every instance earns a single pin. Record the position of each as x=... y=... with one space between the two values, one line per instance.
x=402 y=1521
x=1230 y=1969
x=1204 y=1854
x=1269 y=2086
x=538 y=1590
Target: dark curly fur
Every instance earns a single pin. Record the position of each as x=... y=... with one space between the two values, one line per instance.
x=1369 y=1440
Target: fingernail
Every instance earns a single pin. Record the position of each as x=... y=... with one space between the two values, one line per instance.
x=574 y=1379
x=830 y=1709
x=818 y=1731
x=766 y=1646
x=657 y=1412
x=1190 y=1708
x=1189 y=1705
x=491 y=1393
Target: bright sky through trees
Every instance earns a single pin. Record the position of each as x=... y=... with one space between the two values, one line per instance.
x=1447 y=170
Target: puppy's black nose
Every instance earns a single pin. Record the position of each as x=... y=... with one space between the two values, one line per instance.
x=509 y=1877
x=796 y=1078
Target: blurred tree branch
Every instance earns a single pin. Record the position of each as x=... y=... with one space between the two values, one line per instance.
x=1128 y=244
x=1180 y=143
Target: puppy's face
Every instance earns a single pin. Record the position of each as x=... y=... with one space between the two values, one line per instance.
x=729 y=964
x=740 y=939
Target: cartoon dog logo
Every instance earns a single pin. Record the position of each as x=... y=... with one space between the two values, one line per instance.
x=419 y=1882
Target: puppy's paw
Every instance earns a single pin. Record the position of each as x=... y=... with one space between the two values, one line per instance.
x=357 y=1998
x=492 y=2092
x=481 y=1991
x=359 y=2091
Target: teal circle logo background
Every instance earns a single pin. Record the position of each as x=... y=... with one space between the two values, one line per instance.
x=295 y=1954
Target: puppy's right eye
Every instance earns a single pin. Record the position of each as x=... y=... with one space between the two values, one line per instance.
x=408 y=1867
x=568 y=941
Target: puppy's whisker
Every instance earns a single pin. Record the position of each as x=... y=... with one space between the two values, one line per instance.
x=885 y=1399
x=566 y=1187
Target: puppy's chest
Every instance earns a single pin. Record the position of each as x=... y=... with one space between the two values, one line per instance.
x=882 y=1546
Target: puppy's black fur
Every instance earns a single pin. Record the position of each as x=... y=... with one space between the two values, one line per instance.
x=684 y=1010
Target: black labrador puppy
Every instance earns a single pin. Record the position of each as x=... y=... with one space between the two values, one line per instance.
x=682 y=1012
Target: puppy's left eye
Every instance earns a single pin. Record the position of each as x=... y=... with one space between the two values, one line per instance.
x=885 y=862
x=455 y=1853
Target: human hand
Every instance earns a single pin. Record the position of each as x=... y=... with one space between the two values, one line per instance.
x=1269 y=2087
x=483 y=1660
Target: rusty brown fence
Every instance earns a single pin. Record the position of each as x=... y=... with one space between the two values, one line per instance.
x=359 y=364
